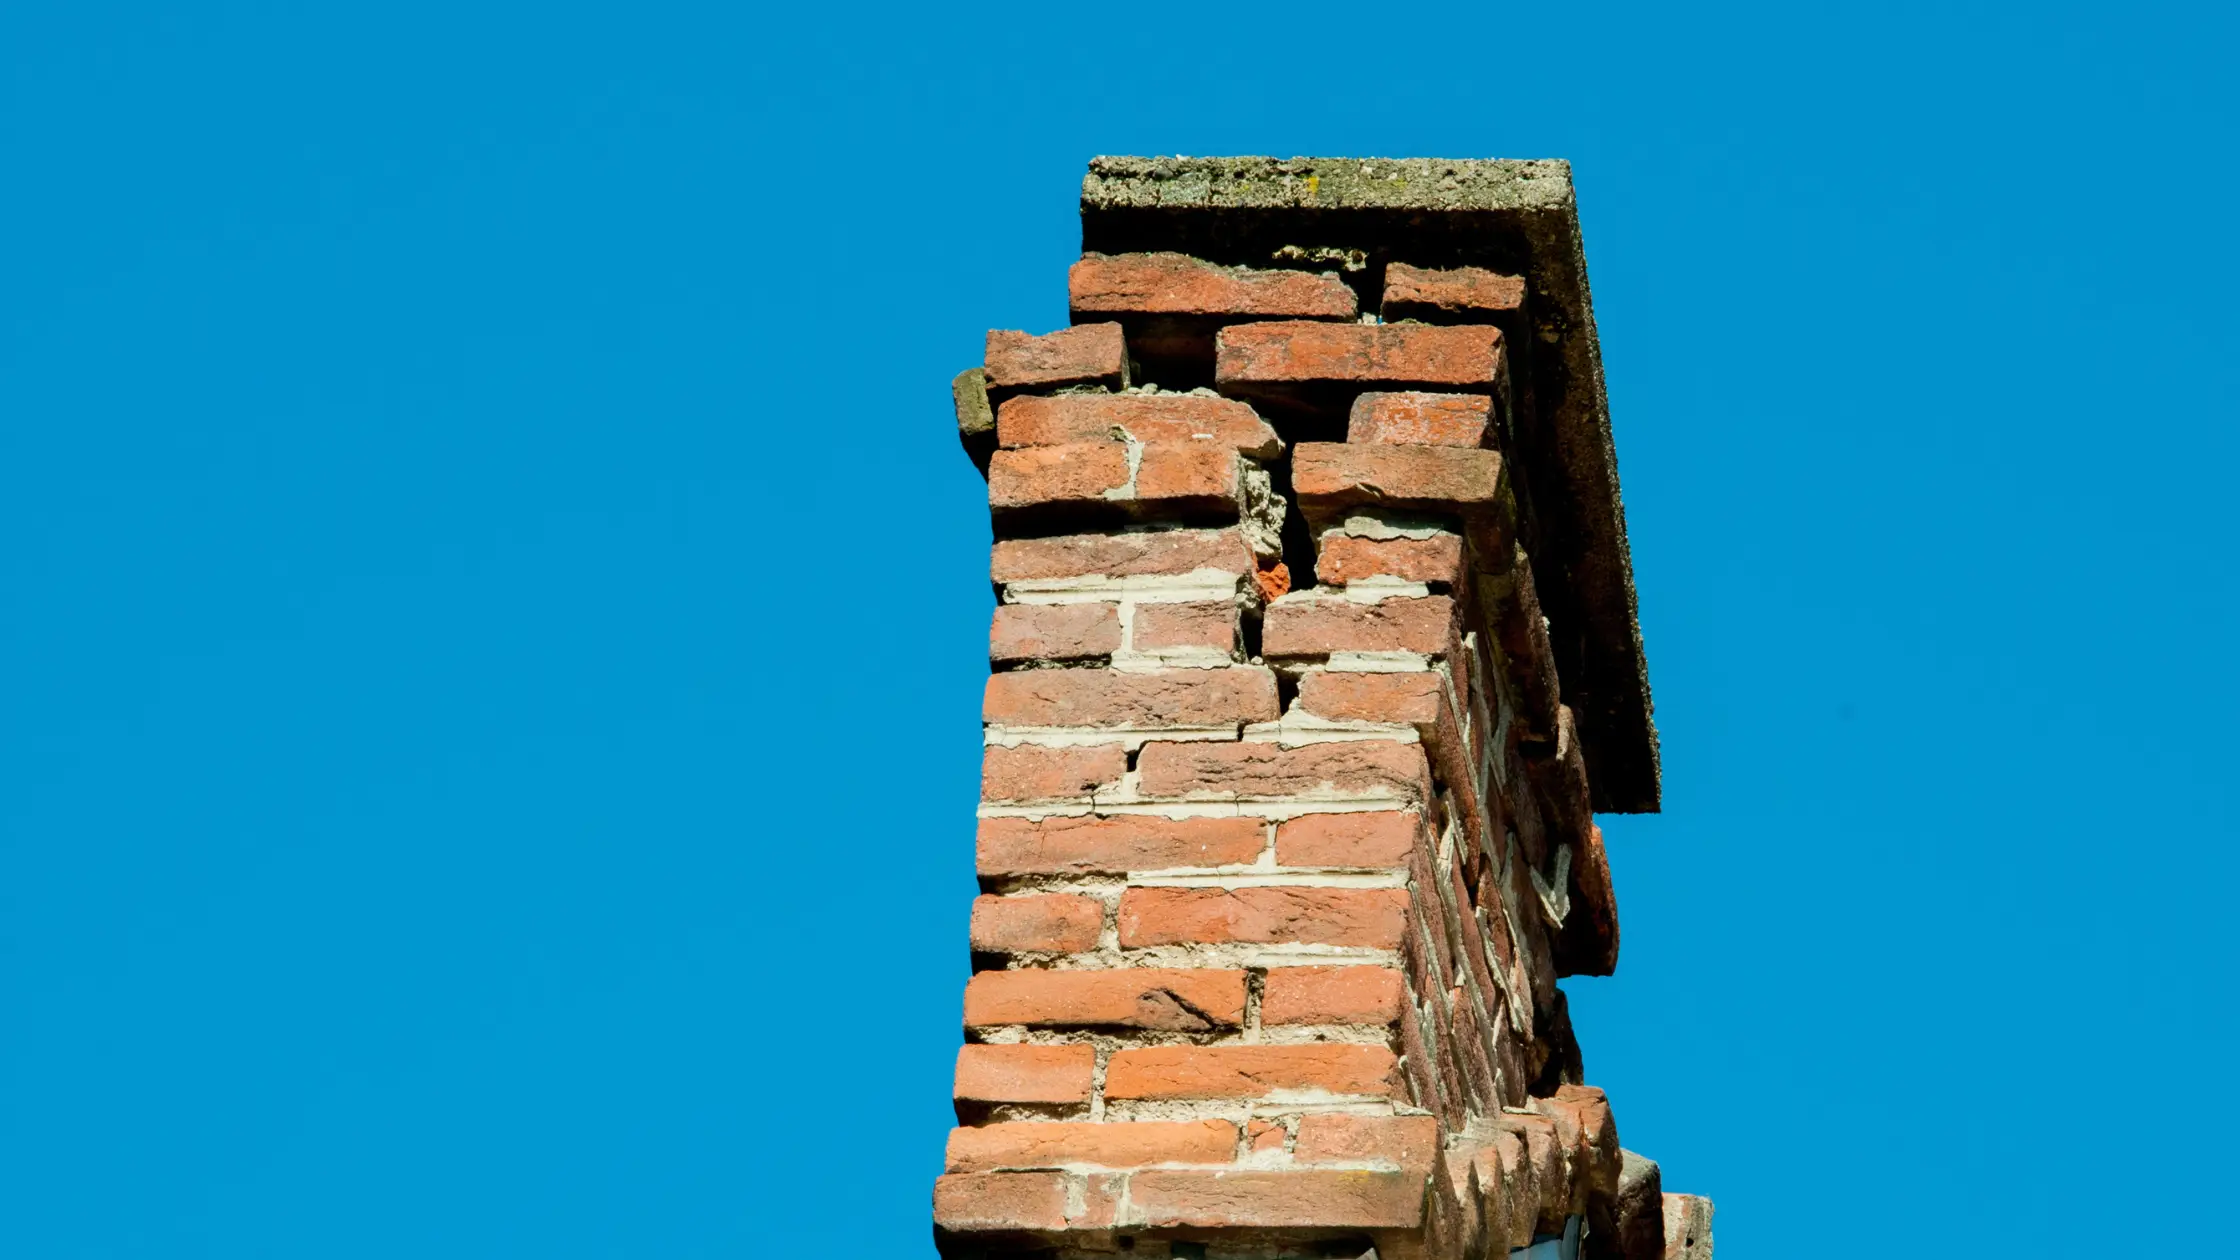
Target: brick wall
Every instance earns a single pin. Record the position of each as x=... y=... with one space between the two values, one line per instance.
x=1286 y=831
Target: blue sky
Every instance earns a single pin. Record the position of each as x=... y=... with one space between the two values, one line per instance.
x=492 y=613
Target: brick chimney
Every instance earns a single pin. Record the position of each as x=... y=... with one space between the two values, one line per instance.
x=1314 y=656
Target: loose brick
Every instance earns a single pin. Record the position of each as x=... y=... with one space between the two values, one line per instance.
x=1025 y=1074
x=1040 y=476
x=1116 y=845
x=1368 y=918
x=1330 y=477
x=1161 y=1072
x=1343 y=558
x=1416 y=697
x=1335 y=1137
x=977 y=1202
x=1401 y=355
x=1463 y=293
x=1053 y=632
x=1292 y=1198
x=1085 y=354
x=976 y=420
x=1063 y=924
x=1332 y=995
x=1349 y=769
x=1066 y=418
x=1031 y=772
x=1177 y=284
x=1170 y=999
x=1421 y=419
x=1133 y=699
x=1317 y=625
x=1155 y=553
x=1382 y=839
x=1026 y=1145
x=1211 y=624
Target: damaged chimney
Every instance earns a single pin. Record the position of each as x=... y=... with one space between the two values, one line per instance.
x=1315 y=655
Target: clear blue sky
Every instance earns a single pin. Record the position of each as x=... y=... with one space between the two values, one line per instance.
x=492 y=612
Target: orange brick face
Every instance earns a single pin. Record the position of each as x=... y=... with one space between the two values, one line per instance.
x=1332 y=995
x=1166 y=999
x=1401 y=354
x=1086 y=354
x=1172 y=1072
x=1346 y=559
x=1025 y=1074
x=1115 y=845
x=1057 y=923
x=1206 y=625
x=1166 y=418
x=1370 y=840
x=1177 y=284
x=1050 y=1145
x=1371 y=769
x=1053 y=632
x=1421 y=419
x=1370 y=918
x=1031 y=772
x=1170 y=551
x=1306 y=625
x=1138 y=699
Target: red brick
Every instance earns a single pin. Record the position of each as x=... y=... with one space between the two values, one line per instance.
x=1194 y=476
x=1334 y=1137
x=1331 y=995
x=1159 y=552
x=1211 y=624
x=1031 y=772
x=1115 y=845
x=1085 y=354
x=1368 y=768
x=1025 y=1074
x=1369 y=918
x=1265 y=1135
x=1420 y=419
x=1416 y=697
x=1042 y=475
x=976 y=1202
x=1399 y=354
x=1310 y=625
x=1177 y=284
x=1154 y=1072
x=1583 y=1121
x=1330 y=476
x=1372 y=840
x=1045 y=1144
x=1127 y=997
x=1062 y=924
x=1053 y=632
x=1292 y=1198
x=1065 y=418
x=1344 y=559
x=1448 y=296
x=1133 y=699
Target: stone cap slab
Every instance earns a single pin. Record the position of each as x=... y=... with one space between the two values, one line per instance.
x=1357 y=216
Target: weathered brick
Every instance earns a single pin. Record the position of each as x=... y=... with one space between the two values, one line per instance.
x=1583 y=1121
x=1115 y=845
x=1687 y=1227
x=1331 y=995
x=1025 y=1074
x=1133 y=699
x=976 y=420
x=977 y=1202
x=1177 y=284
x=1381 y=839
x=1330 y=477
x=1463 y=293
x=1195 y=476
x=1061 y=419
x=1292 y=1198
x=1265 y=1135
x=1053 y=632
x=1155 y=1072
x=1153 y=553
x=1416 y=418
x=1343 y=558
x=1094 y=479
x=1369 y=918
x=1171 y=999
x=1085 y=354
x=1399 y=355
x=1063 y=924
x=1046 y=1144
x=1317 y=625
x=1031 y=772
x=1039 y=476
x=1349 y=769
x=1413 y=696
x=1335 y=1137
x=1209 y=624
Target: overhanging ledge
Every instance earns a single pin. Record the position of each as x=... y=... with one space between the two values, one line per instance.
x=1518 y=217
